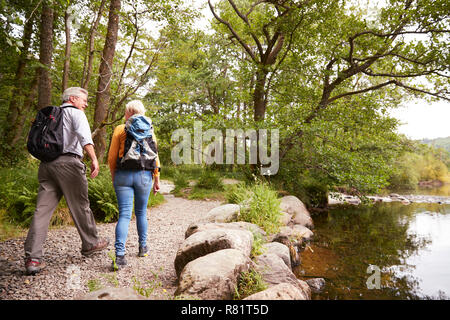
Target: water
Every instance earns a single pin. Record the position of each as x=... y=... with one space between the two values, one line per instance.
x=408 y=244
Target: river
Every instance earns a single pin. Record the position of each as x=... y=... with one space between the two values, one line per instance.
x=384 y=251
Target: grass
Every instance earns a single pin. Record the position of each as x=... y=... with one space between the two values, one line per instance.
x=250 y=282
x=9 y=230
x=260 y=205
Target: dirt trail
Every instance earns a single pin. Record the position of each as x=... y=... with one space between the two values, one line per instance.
x=69 y=275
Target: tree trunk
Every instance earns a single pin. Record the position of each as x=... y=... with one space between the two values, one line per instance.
x=259 y=101
x=104 y=80
x=28 y=107
x=17 y=93
x=45 y=55
x=88 y=72
x=65 y=78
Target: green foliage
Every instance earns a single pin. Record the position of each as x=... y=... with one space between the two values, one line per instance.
x=257 y=246
x=102 y=197
x=210 y=180
x=420 y=163
x=443 y=143
x=237 y=193
x=18 y=196
x=249 y=282
x=147 y=290
x=260 y=205
x=94 y=284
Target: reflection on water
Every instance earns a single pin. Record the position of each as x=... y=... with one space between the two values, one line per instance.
x=409 y=243
x=435 y=191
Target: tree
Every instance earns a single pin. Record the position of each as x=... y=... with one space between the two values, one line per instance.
x=104 y=80
x=65 y=78
x=45 y=55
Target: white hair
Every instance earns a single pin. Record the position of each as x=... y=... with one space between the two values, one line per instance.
x=135 y=107
x=73 y=92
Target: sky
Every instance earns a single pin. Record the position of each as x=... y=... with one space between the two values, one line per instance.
x=424 y=120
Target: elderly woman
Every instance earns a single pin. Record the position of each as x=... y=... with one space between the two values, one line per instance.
x=132 y=173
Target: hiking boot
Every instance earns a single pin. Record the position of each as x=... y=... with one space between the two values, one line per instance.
x=33 y=266
x=143 y=251
x=119 y=263
x=101 y=244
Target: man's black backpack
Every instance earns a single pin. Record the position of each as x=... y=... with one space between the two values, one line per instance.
x=45 y=139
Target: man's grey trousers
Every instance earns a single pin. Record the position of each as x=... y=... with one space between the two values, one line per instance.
x=64 y=176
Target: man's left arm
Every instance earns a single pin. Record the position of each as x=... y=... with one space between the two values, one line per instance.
x=95 y=168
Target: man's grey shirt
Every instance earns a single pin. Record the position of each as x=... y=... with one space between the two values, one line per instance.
x=77 y=132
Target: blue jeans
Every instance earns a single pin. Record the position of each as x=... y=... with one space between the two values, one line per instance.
x=131 y=185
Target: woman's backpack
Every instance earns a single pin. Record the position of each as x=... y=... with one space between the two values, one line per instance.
x=140 y=150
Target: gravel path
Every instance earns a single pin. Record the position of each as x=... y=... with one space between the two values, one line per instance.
x=69 y=275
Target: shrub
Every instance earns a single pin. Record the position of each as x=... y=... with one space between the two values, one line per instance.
x=237 y=193
x=260 y=205
x=102 y=197
x=249 y=282
x=18 y=195
x=210 y=180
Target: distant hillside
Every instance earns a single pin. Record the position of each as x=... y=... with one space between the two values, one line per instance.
x=438 y=143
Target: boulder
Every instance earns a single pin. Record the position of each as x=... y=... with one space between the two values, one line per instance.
x=293 y=245
x=204 y=242
x=316 y=284
x=280 y=250
x=296 y=233
x=241 y=225
x=224 y=213
x=214 y=276
x=274 y=271
x=282 y=291
x=285 y=218
x=301 y=232
x=294 y=206
x=113 y=294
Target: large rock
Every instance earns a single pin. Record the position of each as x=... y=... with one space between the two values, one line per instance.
x=241 y=225
x=285 y=218
x=113 y=294
x=280 y=250
x=224 y=213
x=316 y=284
x=282 y=291
x=295 y=233
x=274 y=271
x=299 y=232
x=214 y=276
x=294 y=206
x=202 y=243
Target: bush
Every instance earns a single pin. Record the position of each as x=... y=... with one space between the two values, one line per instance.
x=102 y=197
x=237 y=193
x=210 y=180
x=249 y=282
x=18 y=194
x=261 y=205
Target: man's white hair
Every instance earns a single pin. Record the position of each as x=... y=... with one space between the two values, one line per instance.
x=73 y=92
x=135 y=107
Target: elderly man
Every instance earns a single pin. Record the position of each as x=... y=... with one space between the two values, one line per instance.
x=66 y=175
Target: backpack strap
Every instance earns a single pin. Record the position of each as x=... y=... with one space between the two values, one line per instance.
x=69 y=106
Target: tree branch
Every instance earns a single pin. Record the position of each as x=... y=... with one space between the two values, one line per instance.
x=226 y=23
